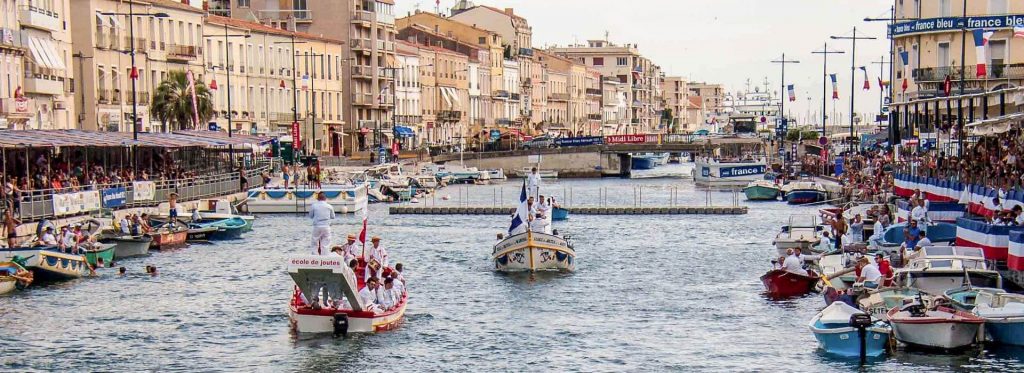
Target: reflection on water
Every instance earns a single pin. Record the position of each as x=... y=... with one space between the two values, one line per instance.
x=654 y=293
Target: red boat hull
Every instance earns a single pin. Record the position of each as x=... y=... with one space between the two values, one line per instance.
x=169 y=239
x=783 y=284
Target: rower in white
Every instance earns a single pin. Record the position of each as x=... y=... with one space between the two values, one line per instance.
x=793 y=264
x=321 y=213
x=350 y=250
x=389 y=296
x=533 y=183
x=370 y=295
x=378 y=258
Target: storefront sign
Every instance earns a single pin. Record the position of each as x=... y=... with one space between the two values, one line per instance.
x=296 y=136
x=955 y=24
x=114 y=197
x=626 y=139
x=143 y=190
x=580 y=141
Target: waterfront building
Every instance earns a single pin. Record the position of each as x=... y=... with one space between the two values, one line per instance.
x=677 y=103
x=538 y=97
x=263 y=82
x=934 y=54
x=445 y=95
x=712 y=97
x=631 y=68
x=408 y=96
x=592 y=104
x=367 y=27
x=101 y=45
x=510 y=85
x=37 y=85
x=557 y=118
x=615 y=107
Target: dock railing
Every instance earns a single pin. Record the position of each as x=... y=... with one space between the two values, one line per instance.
x=569 y=196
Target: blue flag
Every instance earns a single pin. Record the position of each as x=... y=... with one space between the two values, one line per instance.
x=520 y=216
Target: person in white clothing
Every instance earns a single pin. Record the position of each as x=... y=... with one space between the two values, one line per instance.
x=869 y=273
x=389 y=297
x=825 y=245
x=793 y=264
x=370 y=296
x=377 y=257
x=533 y=183
x=876 y=236
x=321 y=213
x=48 y=239
x=350 y=250
x=919 y=213
x=923 y=240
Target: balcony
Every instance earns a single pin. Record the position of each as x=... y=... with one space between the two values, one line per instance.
x=140 y=44
x=504 y=122
x=449 y=116
x=526 y=52
x=177 y=52
x=17 y=108
x=44 y=82
x=938 y=74
x=594 y=116
x=302 y=15
x=35 y=17
x=142 y=95
x=384 y=45
x=514 y=96
x=594 y=91
x=558 y=97
x=285 y=117
x=362 y=45
x=103 y=96
x=500 y=94
x=362 y=99
x=409 y=119
x=362 y=17
x=365 y=72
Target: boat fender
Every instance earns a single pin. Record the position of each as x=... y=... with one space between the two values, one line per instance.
x=340 y=325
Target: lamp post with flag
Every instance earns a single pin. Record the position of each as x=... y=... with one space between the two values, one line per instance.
x=131 y=52
x=784 y=124
x=824 y=52
x=853 y=74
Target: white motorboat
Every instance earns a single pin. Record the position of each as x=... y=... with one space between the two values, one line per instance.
x=802 y=232
x=938 y=269
x=220 y=208
x=428 y=182
x=1004 y=316
x=326 y=299
x=838 y=268
x=534 y=251
x=344 y=199
x=934 y=327
x=497 y=174
x=730 y=161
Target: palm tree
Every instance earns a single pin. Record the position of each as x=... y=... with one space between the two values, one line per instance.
x=172 y=102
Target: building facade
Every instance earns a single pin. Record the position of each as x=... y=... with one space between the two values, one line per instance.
x=712 y=96
x=677 y=102
x=407 y=92
x=35 y=62
x=631 y=68
x=445 y=95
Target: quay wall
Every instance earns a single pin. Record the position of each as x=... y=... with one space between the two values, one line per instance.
x=568 y=165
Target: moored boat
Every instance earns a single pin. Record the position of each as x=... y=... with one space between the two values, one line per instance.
x=935 y=327
x=801 y=232
x=533 y=251
x=226 y=228
x=220 y=208
x=761 y=190
x=197 y=233
x=966 y=298
x=642 y=162
x=805 y=192
x=1004 y=316
x=559 y=214
x=344 y=199
x=836 y=335
x=47 y=263
x=168 y=237
x=99 y=251
x=780 y=283
x=730 y=161
x=326 y=299
x=127 y=246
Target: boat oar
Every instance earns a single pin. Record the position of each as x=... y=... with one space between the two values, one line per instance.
x=828 y=279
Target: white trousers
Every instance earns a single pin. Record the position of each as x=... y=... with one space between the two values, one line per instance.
x=321 y=242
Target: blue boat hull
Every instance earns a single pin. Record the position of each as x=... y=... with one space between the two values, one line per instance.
x=799 y=197
x=558 y=214
x=228 y=229
x=847 y=343
x=225 y=234
x=643 y=163
x=1011 y=333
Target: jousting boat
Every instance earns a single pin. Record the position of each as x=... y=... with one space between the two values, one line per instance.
x=13 y=276
x=534 y=251
x=326 y=299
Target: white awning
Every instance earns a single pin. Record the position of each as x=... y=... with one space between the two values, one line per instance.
x=455 y=98
x=45 y=54
x=100 y=19
x=56 y=58
x=447 y=97
x=37 y=57
x=995 y=126
x=114 y=22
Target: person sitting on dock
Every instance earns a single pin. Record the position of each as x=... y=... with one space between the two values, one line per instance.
x=321 y=213
x=350 y=250
x=370 y=296
x=793 y=263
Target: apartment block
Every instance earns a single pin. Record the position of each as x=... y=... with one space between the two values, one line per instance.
x=35 y=63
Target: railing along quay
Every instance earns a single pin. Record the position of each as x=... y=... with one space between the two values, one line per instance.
x=622 y=210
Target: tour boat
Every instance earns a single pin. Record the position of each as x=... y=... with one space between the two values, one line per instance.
x=126 y=246
x=784 y=284
x=761 y=190
x=168 y=237
x=1004 y=316
x=95 y=251
x=835 y=334
x=534 y=251
x=326 y=299
x=804 y=192
x=730 y=161
x=934 y=327
x=802 y=232
x=13 y=276
x=643 y=162
x=344 y=199
x=47 y=263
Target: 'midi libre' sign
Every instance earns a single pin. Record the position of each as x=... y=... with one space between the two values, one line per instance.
x=955 y=23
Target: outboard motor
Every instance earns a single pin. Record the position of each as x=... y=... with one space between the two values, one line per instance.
x=861 y=322
x=340 y=325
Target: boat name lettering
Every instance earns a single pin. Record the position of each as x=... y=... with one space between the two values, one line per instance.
x=741 y=171
x=317 y=262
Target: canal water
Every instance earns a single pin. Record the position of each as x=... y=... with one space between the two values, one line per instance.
x=651 y=293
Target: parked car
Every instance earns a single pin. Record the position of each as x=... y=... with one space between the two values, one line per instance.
x=539 y=143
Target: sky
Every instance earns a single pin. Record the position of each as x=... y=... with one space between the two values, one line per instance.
x=725 y=41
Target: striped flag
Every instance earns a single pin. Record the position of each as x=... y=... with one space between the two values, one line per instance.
x=905 y=57
x=867 y=82
x=1018 y=31
x=520 y=216
x=835 y=87
x=192 y=88
x=362 y=233
x=792 y=93
x=980 y=45
x=383 y=94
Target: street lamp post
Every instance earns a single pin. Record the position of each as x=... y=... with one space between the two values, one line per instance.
x=824 y=84
x=782 y=103
x=294 y=73
x=853 y=74
x=131 y=45
x=312 y=92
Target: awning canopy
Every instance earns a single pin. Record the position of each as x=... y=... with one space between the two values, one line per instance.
x=404 y=131
x=995 y=126
x=447 y=97
x=45 y=54
x=77 y=138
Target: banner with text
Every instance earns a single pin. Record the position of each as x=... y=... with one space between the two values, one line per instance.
x=630 y=139
x=114 y=197
x=956 y=23
x=580 y=141
x=74 y=203
x=143 y=190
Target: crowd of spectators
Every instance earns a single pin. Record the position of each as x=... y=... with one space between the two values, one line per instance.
x=994 y=161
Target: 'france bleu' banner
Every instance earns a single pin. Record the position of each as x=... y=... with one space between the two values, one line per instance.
x=741 y=171
x=114 y=197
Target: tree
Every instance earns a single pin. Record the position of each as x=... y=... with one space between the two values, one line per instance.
x=172 y=102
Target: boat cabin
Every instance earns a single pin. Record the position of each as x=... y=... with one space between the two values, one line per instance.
x=733 y=150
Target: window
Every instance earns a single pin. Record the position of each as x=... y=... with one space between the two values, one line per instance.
x=945 y=8
x=482 y=40
x=622 y=61
x=997 y=53
x=943 y=54
x=243 y=3
x=598 y=61
x=997 y=7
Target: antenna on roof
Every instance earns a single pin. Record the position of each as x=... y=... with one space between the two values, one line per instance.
x=606 y=39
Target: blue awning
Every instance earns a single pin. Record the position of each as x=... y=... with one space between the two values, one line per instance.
x=403 y=131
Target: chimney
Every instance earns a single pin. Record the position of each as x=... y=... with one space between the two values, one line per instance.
x=509 y=11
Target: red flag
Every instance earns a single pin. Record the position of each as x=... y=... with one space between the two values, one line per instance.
x=867 y=85
x=947 y=86
x=134 y=74
x=213 y=84
x=905 y=85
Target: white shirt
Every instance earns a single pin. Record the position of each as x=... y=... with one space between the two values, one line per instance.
x=351 y=249
x=825 y=245
x=918 y=213
x=368 y=297
x=879 y=231
x=924 y=242
x=49 y=239
x=388 y=297
x=792 y=264
x=125 y=226
x=399 y=286
x=871 y=273
x=380 y=254
x=69 y=239
x=1020 y=219
x=533 y=180
x=321 y=213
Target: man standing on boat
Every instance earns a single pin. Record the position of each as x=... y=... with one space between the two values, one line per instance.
x=378 y=258
x=321 y=213
x=533 y=183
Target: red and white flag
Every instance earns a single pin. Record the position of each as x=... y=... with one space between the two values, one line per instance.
x=362 y=233
x=195 y=103
x=980 y=49
x=1018 y=31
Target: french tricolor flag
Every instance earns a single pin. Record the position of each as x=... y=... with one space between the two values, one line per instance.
x=980 y=45
x=1015 y=254
x=993 y=239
